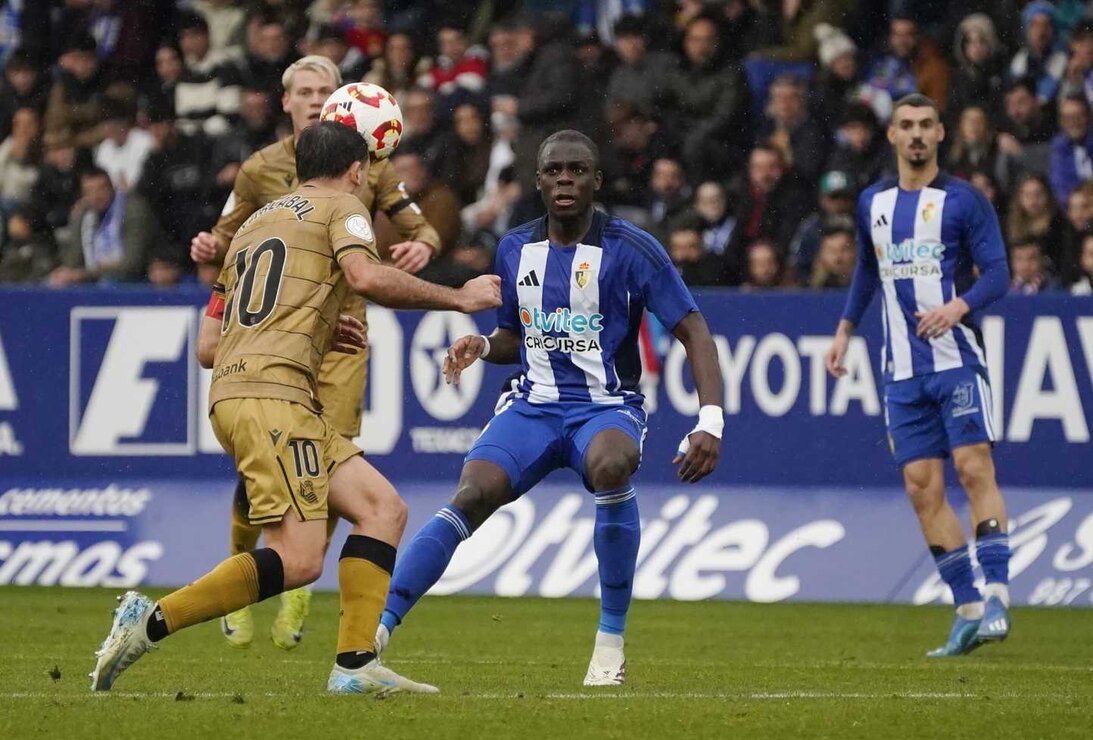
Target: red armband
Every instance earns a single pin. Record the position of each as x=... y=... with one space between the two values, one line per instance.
x=215 y=309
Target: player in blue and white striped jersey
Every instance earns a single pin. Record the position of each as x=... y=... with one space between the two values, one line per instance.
x=574 y=287
x=919 y=238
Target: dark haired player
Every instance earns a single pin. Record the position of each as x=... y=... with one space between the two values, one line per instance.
x=919 y=236
x=574 y=286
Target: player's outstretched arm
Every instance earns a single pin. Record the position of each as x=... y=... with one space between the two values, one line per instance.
x=394 y=288
x=501 y=348
x=701 y=448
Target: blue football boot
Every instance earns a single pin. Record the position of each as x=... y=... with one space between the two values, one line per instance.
x=963 y=638
x=995 y=626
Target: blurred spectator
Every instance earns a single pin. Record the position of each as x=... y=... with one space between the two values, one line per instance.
x=836 y=206
x=642 y=80
x=1028 y=274
x=840 y=75
x=181 y=170
x=789 y=128
x=365 y=31
x=268 y=53
x=710 y=102
x=766 y=269
x=1079 y=67
x=860 y=147
x=256 y=128
x=124 y=147
x=913 y=64
x=28 y=253
x=494 y=210
x=1084 y=284
x=695 y=263
x=330 y=42
x=974 y=148
x=1038 y=58
x=207 y=93
x=985 y=183
x=550 y=96
x=1072 y=148
x=790 y=27
x=76 y=96
x=597 y=64
x=58 y=186
x=163 y=89
x=509 y=60
x=421 y=132
x=468 y=259
x=465 y=158
x=977 y=77
x=1033 y=216
x=23 y=86
x=115 y=234
x=438 y=202
x=668 y=195
x=20 y=158
x=769 y=207
x=711 y=210
x=836 y=259
x=1026 y=129
x=627 y=159
x=1079 y=222
x=398 y=70
x=227 y=24
x=459 y=66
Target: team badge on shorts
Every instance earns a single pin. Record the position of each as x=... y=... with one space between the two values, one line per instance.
x=964 y=400
x=583 y=275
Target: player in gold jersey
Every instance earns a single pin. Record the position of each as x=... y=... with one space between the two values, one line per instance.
x=286 y=275
x=270 y=174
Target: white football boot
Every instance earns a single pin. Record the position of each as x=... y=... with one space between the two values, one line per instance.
x=126 y=642
x=373 y=678
x=608 y=664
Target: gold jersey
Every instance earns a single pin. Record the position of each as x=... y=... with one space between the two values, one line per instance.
x=283 y=290
x=269 y=174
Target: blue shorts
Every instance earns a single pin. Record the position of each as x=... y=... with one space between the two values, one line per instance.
x=930 y=415
x=529 y=440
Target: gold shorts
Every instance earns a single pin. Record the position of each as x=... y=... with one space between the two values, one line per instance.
x=285 y=454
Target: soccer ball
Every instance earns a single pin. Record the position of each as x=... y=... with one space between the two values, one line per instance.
x=372 y=111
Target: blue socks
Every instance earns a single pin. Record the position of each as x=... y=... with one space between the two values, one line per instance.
x=955 y=567
x=616 y=539
x=423 y=563
x=992 y=550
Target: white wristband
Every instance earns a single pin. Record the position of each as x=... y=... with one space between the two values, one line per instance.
x=711 y=420
x=486 y=349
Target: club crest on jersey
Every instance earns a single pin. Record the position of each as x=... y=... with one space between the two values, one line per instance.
x=583 y=275
x=929 y=212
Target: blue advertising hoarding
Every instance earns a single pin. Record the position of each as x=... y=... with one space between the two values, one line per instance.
x=110 y=474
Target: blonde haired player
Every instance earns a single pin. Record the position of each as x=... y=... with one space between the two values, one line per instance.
x=266 y=176
x=286 y=275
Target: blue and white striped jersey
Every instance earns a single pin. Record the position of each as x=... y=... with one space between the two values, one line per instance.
x=578 y=309
x=919 y=248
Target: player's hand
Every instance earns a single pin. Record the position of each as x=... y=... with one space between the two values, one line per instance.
x=699 y=454
x=411 y=257
x=203 y=248
x=349 y=335
x=939 y=321
x=835 y=355
x=480 y=293
x=462 y=355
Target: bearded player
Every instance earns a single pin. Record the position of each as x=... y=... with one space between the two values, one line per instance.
x=919 y=236
x=270 y=174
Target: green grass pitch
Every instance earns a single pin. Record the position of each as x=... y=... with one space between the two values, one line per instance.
x=513 y=668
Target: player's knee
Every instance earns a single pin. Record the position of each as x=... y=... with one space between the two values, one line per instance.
x=477 y=502
x=302 y=569
x=975 y=473
x=610 y=471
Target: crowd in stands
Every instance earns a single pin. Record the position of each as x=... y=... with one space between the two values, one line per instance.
x=739 y=132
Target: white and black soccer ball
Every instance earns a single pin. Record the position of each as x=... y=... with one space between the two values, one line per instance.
x=372 y=111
